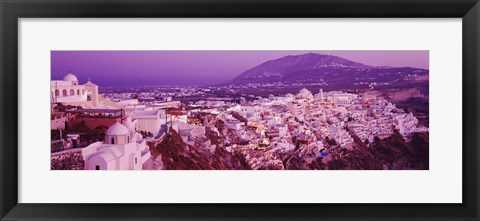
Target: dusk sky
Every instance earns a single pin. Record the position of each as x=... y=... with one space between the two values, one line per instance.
x=137 y=68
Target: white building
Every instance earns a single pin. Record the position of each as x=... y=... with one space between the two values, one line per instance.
x=251 y=112
x=69 y=91
x=149 y=120
x=342 y=137
x=320 y=95
x=294 y=108
x=233 y=123
x=304 y=94
x=166 y=104
x=127 y=102
x=406 y=123
x=119 y=151
x=57 y=122
x=342 y=99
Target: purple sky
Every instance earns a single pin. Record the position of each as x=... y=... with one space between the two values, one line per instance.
x=136 y=68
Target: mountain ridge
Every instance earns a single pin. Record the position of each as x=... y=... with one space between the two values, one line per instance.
x=320 y=67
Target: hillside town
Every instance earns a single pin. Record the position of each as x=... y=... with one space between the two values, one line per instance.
x=136 y=130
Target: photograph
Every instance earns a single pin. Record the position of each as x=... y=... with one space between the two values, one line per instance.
x=239 y=110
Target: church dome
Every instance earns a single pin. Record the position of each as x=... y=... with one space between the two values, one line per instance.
x=304 y=93
x=70 y=77
x=117 y=129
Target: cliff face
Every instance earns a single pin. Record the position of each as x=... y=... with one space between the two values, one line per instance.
x=392 y=153
x=177 y=155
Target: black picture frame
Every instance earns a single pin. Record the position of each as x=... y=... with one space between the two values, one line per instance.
x=12 y=10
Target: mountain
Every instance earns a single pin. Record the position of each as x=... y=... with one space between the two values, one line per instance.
x=315 y=68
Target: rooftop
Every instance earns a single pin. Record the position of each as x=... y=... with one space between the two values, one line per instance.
x=145 y=113
x=95 y=111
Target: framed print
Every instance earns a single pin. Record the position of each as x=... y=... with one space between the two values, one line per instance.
x=239 y=110
x=247 y=122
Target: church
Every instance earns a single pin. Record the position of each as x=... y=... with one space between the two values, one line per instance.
x=121 y=150
x=69 y=91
